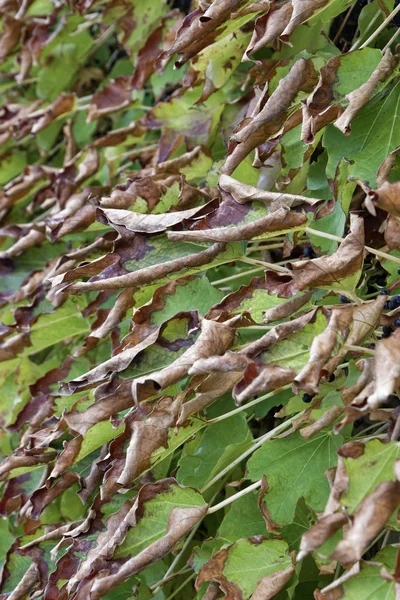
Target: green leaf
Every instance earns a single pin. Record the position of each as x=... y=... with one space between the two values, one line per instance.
x=247 y=562
x=243 y=520
x=295 y=468
x=375 y=133
x=217 y=447
x=153 y=525
x=377 y=461
x=294 y=351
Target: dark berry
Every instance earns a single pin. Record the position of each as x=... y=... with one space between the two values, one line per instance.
x=309 y=252
x=343 y=300
x=395 y=302
x=387 y=305
x=398 y=270
x=386 y=331
x=331 y=378
x=397 y=323
x=371 y=346
x=307 y=398
x=384 y=292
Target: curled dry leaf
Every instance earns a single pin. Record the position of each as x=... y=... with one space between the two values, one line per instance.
x=146 y=436
x=319 y=533
x=286 y=309
x=259 y=379
x=387 y=197
x=279 y=220
x=207 y=391
x=215 y=338
x=140 y=223
x=269 y=27
x=147 y=274
x=322 y=348
x=243 y=192
x=318 y=110
x=269 y=120
x=302 y=10
x=358 y=98
x=331 y=269
x=368 y=521
x=269 y=586
x=114 y=96
x=386 y=369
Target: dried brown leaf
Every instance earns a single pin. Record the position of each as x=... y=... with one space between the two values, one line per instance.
x=269 y=27
x=146 y=436
x=368 y=521
x=319 y=533
x=147 y=274
x=277 y=221
x=259 y=379
x=358 y=98
x=114 y=96
x=215 y=338
x=143 y=223
x=323 y=271
x=268 y=587
x=286 y=309
x=270 y=119
x=243 y=193
x=322 y=348
x=386 y=369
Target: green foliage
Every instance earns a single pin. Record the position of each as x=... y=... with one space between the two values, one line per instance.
x=190 y=408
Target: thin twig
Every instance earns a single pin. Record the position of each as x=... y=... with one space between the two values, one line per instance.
x=381 y=27
x=267 y=265
x=231 y=499
x=257 y=444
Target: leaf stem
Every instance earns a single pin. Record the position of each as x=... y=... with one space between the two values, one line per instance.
x=392 y=39
x=336 y=238
x=259 y=442
x=178 y=589
x=236 y=496
x=381 y=27
x=170 y=577
x=236 y=276
x=352 y=348
x=249 y=404
x=267 y=265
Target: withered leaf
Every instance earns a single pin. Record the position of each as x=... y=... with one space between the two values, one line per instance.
x=269 y=586
x=368 y=521
x=322 y=348
x=140 y=223
x=358 y=98
x=147 y=274
x=269 y=120
x=279 y=220
x=326 y=270
x=215 y=338
x=319 y=533
x=243 y=192
x=386 y=369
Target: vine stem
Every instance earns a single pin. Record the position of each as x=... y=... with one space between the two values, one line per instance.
x=249 y=404
x=231 y=499
x=255 y=445
x=267 y=265
x=336 y=238
x=381 y=27
x=392 y=39
x=178 y=589
x=237 y=276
